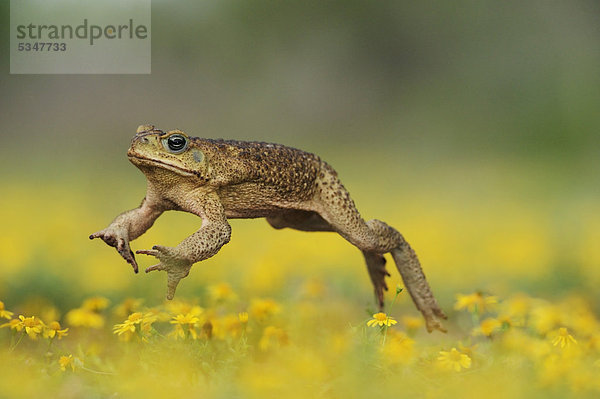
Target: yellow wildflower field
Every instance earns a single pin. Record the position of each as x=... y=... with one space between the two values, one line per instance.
x=291 y=314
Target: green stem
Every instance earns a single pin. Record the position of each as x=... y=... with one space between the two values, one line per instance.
x=385 y=327
x=96 y=371
x=157 y=333
x=398 y=291
x=475 y=316
x=18 y=342
x=50 y=341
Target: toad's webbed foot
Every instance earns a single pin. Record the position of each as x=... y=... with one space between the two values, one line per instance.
x=119 y=238
x=176 y=266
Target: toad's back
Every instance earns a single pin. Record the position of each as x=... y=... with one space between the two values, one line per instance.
x=260 y=172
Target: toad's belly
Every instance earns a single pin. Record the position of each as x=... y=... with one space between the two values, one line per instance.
x=250 y=213
x=245 y=210
x=250 y=200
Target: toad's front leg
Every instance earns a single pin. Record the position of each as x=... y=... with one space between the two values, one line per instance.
x=206 y=242
x=128 y=226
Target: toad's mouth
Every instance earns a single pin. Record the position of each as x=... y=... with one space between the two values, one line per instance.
x=138 y=159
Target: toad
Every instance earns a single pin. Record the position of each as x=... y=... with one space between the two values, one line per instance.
x=220 y=179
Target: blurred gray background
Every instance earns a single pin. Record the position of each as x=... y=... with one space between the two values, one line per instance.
x=442 y=79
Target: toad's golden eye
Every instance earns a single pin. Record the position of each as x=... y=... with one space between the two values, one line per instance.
x=175 y=143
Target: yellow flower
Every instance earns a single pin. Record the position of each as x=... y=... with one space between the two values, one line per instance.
x=147 y=321
x=66 y=361
x=593 y=342
x=272 y=336
x=467 y=350
x=381 y=319
x=32 y=326
x=221 y=292
x=243 y=317
x=412 y=323
x=83 y=317
x=563 y=338
x=399 y=349
x=178 y=332
x=188 y=319
x=579 y=316
x=5 y=313
x=555 y=368
x=583 y=380
x=517 y=306
x=260 y=309
x=128 y=306
x=135 y=318
x=488 y=327
x=507 y=322
x=545 y=317
x=54 y=330
x=229 y=324
x=181 y=307
x=128 y=327
x=185 y=323
x=475 y=303
x=95 y=304
x=123 y=328
x=454 y=360
x=14 y=324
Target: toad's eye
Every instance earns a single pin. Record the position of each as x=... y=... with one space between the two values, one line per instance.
x=176 y=143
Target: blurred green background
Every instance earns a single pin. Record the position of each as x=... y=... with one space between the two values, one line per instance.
x=472 y=127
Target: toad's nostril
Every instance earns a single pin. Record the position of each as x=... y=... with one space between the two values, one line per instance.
x=144 y=140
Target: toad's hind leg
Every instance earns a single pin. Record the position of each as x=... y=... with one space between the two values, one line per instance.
x=312 y=221
x=412 y=274
x=376 y=238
